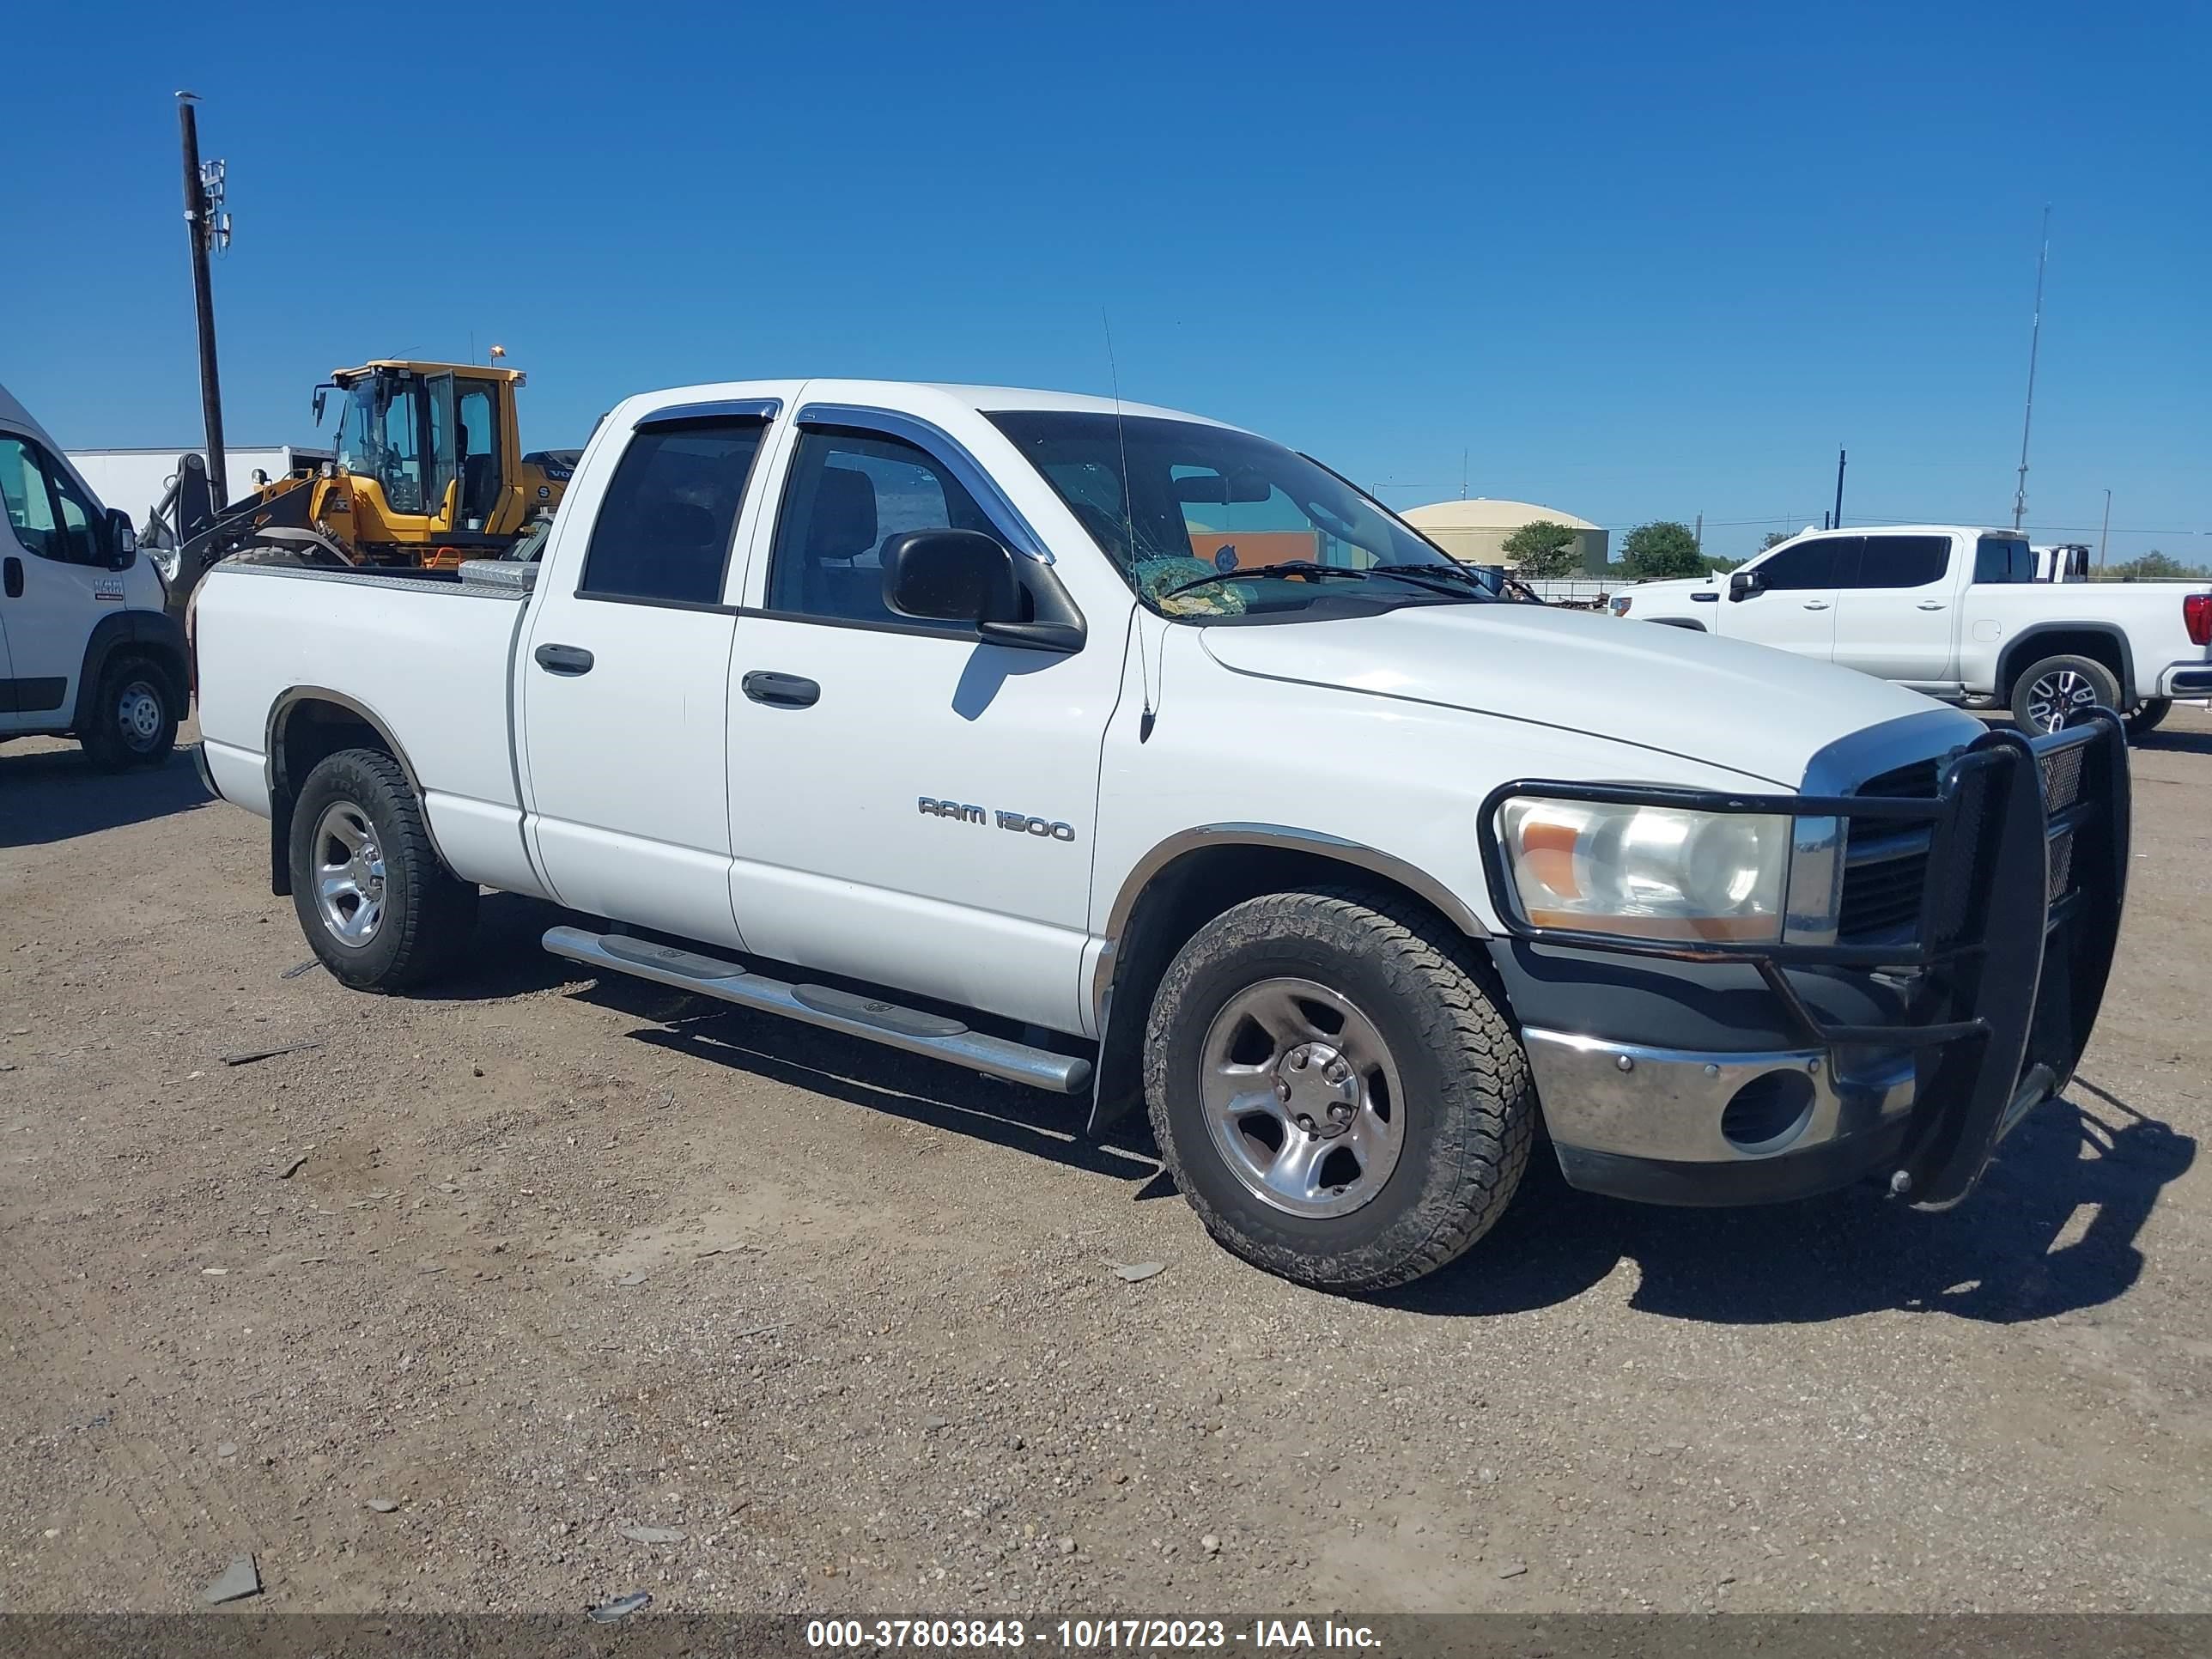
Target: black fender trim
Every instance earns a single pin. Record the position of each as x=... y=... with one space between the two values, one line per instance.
x=2018 y=653
x=153 y=633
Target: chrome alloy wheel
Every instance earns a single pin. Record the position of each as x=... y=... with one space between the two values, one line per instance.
x=1301 y=1096
x=138 y=715
x=2055 y=696
x=349 y=873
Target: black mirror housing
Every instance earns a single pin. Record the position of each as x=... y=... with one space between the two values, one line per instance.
x=122 y=540
x=1742 y=584
x=950 y=575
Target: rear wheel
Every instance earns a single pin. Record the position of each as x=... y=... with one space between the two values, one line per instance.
x=2051 y=690
x=377 y=904
x=134 y=716
x=1337 y=1095
x=2146 y=717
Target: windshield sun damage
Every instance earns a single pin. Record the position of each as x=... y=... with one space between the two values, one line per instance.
x=1209 y=522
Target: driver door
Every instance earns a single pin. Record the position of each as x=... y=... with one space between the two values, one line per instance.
x=56 y=584
x=1794 y=608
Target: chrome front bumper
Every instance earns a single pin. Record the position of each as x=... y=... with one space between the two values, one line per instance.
x=1624 y=1100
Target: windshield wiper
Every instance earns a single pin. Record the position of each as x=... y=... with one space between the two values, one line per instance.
x=1431 y=574
x=1281 y=567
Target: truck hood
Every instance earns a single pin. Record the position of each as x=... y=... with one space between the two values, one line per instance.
x=1673 y=691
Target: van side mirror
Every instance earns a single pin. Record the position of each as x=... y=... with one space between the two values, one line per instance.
x=950 y=575
x=122 y=540
x=1742 y=584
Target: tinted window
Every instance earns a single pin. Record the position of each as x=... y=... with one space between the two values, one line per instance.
x=1997 y=559
x=1902 y=561
x=850 y=493
x=1808 y=564
x=664 y=531
x=48 y=513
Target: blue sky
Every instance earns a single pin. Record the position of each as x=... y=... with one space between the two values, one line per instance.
x=1636 y=262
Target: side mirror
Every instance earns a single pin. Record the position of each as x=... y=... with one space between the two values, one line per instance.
x=122 y=539
x=1742 y=584
x=950 y=575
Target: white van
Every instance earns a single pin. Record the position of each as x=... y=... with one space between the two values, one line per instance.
x=87 y=647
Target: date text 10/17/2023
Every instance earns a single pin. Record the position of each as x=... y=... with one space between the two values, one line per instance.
x=1087 y=1635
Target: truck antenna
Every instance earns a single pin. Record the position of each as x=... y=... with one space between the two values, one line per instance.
x=2034 y=339
x=1129 y=527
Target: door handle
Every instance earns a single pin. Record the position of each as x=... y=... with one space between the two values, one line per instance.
x=780 y=690
x=15 y=577
x=1929 y=605
x=570 y=659
x=1816 y=605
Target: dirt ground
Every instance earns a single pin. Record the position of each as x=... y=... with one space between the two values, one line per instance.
x=426 y=1315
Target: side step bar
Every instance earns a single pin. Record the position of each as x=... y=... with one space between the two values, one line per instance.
x=910 y=1028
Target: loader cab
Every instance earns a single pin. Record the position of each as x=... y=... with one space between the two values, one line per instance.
x=431 y=453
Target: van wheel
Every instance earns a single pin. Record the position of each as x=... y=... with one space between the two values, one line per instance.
x=1338 y=1097
x=2051 y=690
x=134 y=716
x=378 y=906
x=2146 y=717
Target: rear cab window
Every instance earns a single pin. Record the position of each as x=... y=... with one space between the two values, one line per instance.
x=2003 y=559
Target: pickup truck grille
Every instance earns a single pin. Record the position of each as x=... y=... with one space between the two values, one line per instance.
x=1885 y=866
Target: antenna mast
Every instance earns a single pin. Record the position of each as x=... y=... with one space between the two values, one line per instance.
x=2035 y=340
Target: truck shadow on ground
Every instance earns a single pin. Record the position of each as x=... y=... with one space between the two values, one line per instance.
x=55 y=794
x=2186 y=742
x=2051 y=1229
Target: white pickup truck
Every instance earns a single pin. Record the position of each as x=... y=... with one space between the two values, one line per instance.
x=907 y=711
x=1959 y=613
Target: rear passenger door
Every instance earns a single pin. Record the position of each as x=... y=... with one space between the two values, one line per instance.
x=1794 y=607
x=911 y=804
x=1896 y=616
x=624 y=680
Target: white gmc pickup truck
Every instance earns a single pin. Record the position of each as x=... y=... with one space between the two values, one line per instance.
x=1133 y=757
x=1958 y=612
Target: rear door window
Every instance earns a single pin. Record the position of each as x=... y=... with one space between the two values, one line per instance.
x=1900 y=562
x=662 y=532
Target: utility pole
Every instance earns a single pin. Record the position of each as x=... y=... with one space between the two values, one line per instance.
x=1839 y=489
x=1699 y=534
x=2106 y=531
x=205 y=222
x=2035 y=340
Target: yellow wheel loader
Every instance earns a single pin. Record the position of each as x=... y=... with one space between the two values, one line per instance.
x=429 y=471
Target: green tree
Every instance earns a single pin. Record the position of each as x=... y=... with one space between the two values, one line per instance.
x=1720 y=567
x=2153 y=566
x=1654 y=552
x=1774 y=538
x=1543 y=548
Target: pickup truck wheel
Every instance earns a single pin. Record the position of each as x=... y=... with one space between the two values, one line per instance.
x=1339 y=1098
x=2146 y=717
x=377 y=904
x=134 y=717
x=2051 y=690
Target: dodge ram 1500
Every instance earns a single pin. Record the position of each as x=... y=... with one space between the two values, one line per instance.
x=911 y=712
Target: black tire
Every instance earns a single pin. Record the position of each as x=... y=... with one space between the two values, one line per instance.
x=423 y=914
x=134 y=715
x=1467 y=1113
x=2049 y=690
x=2147 y=717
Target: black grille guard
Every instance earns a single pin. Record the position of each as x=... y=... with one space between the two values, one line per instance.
x=2022 y=968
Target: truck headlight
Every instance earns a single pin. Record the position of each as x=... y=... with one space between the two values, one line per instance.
x=1656 y=872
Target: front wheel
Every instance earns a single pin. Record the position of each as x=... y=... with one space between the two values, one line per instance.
x=1336 y=1094
x=134 y=711
x=378 y=905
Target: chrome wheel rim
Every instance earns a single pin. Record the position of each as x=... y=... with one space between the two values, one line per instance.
x=1301 y=1097
x=138 y=715
x=2055 y=696
x=349 y=873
